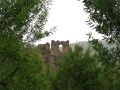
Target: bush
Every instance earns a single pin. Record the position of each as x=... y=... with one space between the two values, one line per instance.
x=78 y=70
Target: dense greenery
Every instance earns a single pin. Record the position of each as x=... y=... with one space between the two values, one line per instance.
x=21 y=17
x=104 y=17
x=22 y=66
x=79 y=70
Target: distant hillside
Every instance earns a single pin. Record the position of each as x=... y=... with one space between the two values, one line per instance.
x=85 y=44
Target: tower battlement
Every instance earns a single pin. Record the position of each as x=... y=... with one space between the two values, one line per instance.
x=53 y=52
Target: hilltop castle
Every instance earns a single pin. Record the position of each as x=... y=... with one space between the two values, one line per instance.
x=55 y=52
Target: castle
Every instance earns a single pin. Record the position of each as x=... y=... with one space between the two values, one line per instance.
x=55 y=52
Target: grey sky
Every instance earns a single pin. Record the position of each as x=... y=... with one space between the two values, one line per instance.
x=70 y=19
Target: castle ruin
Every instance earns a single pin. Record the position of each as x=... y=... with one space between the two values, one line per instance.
x=55 y=52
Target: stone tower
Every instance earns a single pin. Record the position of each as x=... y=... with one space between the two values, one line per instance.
x=45 y=51
x=55 y=47
x=53 y=53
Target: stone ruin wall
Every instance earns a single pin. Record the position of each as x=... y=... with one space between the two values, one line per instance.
x=55 y=47
x=53 y=53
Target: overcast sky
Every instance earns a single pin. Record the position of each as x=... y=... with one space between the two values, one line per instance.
x=70 y=20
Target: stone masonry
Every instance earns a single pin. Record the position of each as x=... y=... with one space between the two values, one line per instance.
x=53 y=52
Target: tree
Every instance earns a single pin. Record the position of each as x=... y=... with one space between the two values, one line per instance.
x=78 y=70
x=104 y=17
x=19 y=18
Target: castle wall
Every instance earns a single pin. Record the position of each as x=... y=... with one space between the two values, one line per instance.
x=54 y=52
x=55 y=47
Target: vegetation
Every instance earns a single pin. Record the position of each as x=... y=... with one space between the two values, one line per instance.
x=22 y=66
x=104 y=18
x=78 y=70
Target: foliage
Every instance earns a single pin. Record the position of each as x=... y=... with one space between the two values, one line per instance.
x=78 y=70
x=104 y=17
x=20 y=67
x=28 y=73
x=21 y=17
